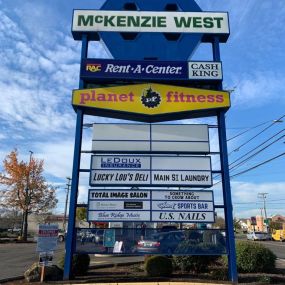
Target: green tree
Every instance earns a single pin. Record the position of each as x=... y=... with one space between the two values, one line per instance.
x=219 y=223
x=275 y=226
x=25 y=188
x=237 y=225
x=81 y=214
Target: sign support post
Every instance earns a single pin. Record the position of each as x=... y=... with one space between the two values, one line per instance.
x=228 y=208
x=70 y=241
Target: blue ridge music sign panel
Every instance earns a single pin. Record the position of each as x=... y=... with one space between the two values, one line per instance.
x=166 y=205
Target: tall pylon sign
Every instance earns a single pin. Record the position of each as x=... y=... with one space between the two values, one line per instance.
x=145 y=175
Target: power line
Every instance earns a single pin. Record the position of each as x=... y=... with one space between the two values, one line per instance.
x=249 y=169
x=256 y=147
x=274 y=122
x=256 y=153
x=249 y=129
x=256 y=166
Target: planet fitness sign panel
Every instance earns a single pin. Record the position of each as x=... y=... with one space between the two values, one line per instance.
x=146 y=170
x=149 y=99
x=145 y=21
x=92 y=69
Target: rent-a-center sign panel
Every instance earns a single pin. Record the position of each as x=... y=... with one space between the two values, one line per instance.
x=116 y=170
x=103 y=69
x=151 y=206
x=150 y=102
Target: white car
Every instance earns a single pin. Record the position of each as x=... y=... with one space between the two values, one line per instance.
x=257 y=236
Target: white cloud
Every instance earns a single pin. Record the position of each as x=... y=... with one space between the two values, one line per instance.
x=245 y=197
x=258 y=89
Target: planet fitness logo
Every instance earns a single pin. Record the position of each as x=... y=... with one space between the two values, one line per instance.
x=150 y=98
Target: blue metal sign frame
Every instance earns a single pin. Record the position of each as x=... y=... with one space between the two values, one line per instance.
x=175 y=54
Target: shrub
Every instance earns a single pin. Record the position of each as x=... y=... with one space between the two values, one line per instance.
x=194 y=263
x=253 y=258
x=188 y=247
x=219 y=273
x=52 y=273
x=157 y=266
x=80 y=263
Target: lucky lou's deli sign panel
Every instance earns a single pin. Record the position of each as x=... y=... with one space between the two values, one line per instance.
x=150 y=99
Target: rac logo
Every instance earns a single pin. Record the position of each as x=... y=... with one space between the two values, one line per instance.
x=93 y=67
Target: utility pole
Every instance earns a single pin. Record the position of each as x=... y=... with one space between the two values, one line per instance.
x=263 y=197
x=66 y=202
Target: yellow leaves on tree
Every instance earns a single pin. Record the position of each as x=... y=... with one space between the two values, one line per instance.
x=25 y=187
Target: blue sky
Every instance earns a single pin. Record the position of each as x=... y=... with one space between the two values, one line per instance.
x=40 y=66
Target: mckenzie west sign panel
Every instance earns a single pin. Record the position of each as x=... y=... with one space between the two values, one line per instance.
x=146 y=21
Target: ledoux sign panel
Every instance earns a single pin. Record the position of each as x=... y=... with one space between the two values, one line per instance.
x=129 y=170
x=166 y=205
x=150 y=138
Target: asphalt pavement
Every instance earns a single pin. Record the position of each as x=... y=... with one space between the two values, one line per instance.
x=16 y=258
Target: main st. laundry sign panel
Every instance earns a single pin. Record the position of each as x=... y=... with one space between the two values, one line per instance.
x=119 y=170
x=151 y=205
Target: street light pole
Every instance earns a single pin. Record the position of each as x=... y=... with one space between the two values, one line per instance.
x=66 y=202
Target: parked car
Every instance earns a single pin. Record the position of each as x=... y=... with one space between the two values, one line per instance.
x=168 y=228
x=163 y=242
x=258 y=236
x=91 y=235
x=14 y=230
x=98 y=236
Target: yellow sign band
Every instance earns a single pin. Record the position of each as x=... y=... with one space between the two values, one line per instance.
x=151 y=99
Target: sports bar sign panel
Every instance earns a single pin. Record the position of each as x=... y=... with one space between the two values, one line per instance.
x=166 y=206
x=125 y=170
